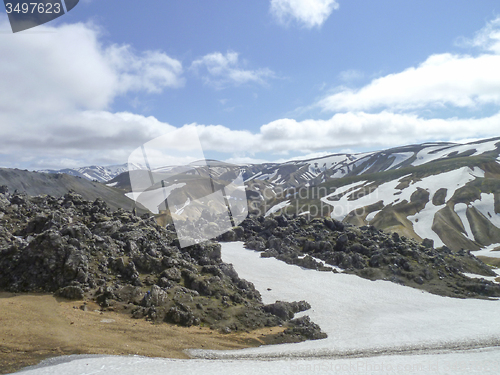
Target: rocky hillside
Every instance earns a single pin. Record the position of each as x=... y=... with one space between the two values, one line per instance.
x=328 y=245
x=453 y=200
x=447 y=192
x=57 y=185
x=80 y=249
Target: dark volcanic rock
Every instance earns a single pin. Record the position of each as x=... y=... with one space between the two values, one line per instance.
x=369 y=253
x=82 y=250
x=306 y=329
x=286 y=310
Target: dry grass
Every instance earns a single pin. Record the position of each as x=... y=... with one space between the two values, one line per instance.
x=35 y=327
x=495 y=262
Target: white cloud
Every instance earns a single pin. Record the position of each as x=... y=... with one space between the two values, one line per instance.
x=310 y=13
x=68 y=67
x=223 y=70
x=150 y=72
x=56 y=86
x=446 y=79
x=75 y=138
x=343 y=131
x=488 y=38
x=55 y=90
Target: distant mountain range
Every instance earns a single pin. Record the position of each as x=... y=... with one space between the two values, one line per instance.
x=447 y=192
x=95 y=172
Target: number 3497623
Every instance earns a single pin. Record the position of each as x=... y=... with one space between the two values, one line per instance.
x=33 y=8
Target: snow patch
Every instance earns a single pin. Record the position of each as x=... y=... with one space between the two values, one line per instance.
x=488 y=251
x=461 y=210
x=486 y=205
x=277 y=207
x=372 y=215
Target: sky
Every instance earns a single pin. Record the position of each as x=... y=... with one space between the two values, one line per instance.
x=264 y=80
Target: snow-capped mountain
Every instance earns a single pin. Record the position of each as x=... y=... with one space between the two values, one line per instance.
x=96 y=172
x=443 y=191
x=448 y=193
x=315 y=171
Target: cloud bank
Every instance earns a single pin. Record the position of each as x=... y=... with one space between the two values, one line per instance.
x=56 y=91
x=442 y=80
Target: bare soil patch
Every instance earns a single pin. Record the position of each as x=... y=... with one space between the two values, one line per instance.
x=34 y=327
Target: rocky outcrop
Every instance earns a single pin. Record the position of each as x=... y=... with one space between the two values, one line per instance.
x=326 y=244
x=82 y=250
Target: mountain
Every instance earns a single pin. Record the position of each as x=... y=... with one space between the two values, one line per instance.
x=448 y=193
x=57 y=185
x=95 y=172
x=312 y=172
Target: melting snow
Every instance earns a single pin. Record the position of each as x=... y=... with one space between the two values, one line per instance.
x=277 y=207
x=461 y=210
x=401 y=157
x=374 y=327
x=388 y=194
x=359 y=314
x=425 y=156
x=488 y=251
x=486 y=205
x=372 y=215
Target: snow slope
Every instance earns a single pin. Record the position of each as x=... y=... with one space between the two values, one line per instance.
x=389 y=194
x=374 y=327
x=359 y=315
x=277 y=208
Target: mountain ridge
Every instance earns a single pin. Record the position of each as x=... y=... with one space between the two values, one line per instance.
x=414 y=184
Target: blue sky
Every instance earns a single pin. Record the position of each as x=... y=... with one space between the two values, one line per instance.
x=260 y=80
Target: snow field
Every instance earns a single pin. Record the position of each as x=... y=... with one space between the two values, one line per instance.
x=360 y=316
x=373 y=327
x=471 y=362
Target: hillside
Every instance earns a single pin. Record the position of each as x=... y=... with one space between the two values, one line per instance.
x=81 y=250
x=447 y=193
x=312 y=172
x=57 y=185
x=95 y=172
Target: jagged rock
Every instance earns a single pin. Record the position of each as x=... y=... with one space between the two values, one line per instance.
x=304 y=327
x=286 y=310
x=256 y=244
x=428 y=243
x=173 y=274
x=155 y=297
x=342 y=241
x=81 y=249
x=181 y=315
x=333 y=224
x=71 y=292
